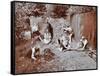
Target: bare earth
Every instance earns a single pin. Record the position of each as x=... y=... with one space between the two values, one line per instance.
x=60 y=61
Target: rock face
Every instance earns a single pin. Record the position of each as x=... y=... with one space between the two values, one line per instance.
x=85 y=24
x=89 y=30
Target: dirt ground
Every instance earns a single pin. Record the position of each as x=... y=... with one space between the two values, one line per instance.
x=53 y=61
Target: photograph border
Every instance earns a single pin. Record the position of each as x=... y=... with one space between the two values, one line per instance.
x=13 y=55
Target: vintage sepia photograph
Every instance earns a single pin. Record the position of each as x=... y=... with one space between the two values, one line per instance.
x=51 y=37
